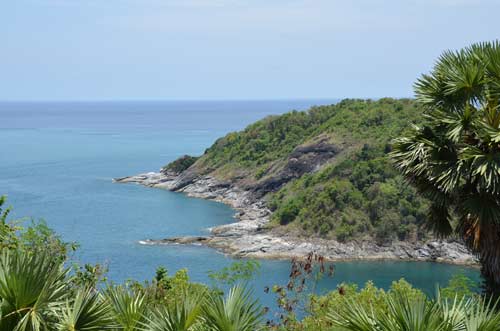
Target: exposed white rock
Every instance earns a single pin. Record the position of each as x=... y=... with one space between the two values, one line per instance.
x=248 y=237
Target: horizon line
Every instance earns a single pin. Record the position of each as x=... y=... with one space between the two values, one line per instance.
x=195 y=99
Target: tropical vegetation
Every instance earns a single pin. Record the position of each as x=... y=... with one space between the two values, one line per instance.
x=453 y=157
x=360 y=197
x=180 y=164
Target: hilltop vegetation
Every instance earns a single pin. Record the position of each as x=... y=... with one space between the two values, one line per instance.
x=325 y=171
x=350 y=122
x=180 y=164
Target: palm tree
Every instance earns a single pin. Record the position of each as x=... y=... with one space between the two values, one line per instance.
x=236 y=312
x=129 y=308
x=87 y=312
x=404 y=313
x=185 y=314
x=481 y=316
x=32 y=290
x=454 y=157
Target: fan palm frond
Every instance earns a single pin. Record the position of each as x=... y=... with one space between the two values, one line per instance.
x=482 y=316
x=182 y=315
x=32 y=288
x=416 y=314
x=354 y=317
x=87 y=312
x=129 y=309
x=236 y=312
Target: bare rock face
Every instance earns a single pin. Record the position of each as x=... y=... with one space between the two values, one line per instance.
x=303 y=159
x=309 y=158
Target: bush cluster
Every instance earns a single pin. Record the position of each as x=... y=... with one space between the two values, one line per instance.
x=361 y=196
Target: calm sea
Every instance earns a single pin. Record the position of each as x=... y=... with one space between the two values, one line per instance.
x=57 y=161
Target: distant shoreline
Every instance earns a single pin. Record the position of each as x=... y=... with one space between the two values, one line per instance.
x=249 y=236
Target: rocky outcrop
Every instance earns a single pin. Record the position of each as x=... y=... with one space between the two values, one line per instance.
x=249 y=237
x=303 y=159
x=266 y=245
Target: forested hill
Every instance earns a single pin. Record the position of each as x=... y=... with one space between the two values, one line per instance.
x=324 y=171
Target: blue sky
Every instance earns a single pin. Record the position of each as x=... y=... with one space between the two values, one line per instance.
x=229 y=49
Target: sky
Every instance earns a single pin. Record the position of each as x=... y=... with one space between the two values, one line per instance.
x=229 y=49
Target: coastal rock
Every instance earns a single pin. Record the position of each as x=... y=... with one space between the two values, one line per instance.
x=176 y=240
x=248 y=236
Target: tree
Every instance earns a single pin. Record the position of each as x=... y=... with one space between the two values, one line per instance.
x=454 y=157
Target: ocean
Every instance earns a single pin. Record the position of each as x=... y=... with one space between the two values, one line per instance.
x=57 y=161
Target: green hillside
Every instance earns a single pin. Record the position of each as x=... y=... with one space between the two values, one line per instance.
x=325 y=171
x=361 y=196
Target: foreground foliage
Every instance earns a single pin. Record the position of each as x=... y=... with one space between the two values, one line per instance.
x=39 y=293
x=401 y=313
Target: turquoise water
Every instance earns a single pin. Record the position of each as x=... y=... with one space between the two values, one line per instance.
x=57 y=161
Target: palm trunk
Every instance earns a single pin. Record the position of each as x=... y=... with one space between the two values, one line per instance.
x=489 y=255
x=491 y=279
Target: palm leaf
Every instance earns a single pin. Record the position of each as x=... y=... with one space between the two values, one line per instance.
x=482 y=316
x=87 y=312
x=353 y=316
x=236 y=312
x=32 y=288
x=182 y=315
x=129 y=309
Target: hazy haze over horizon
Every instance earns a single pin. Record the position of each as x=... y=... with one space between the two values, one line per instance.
x=229 y=49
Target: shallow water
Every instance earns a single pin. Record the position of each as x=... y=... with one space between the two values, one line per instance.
x=57 y=161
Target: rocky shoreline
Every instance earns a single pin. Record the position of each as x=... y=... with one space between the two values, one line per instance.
x=249 y=236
